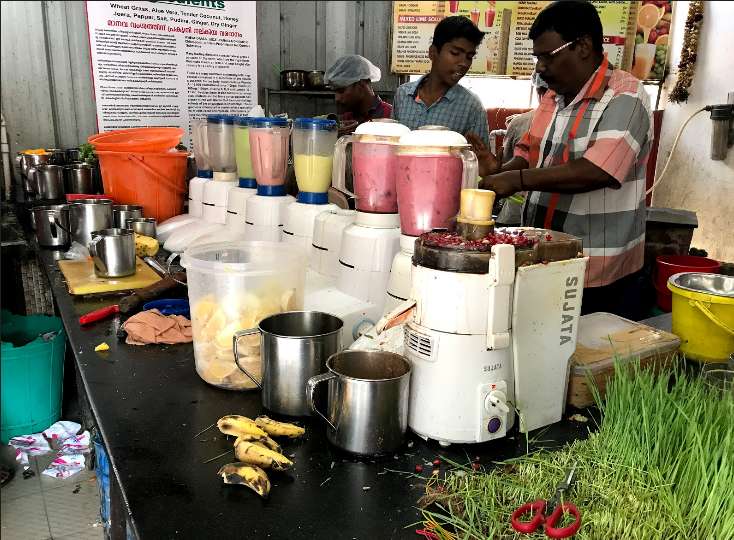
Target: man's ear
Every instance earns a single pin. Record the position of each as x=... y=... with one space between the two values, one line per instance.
x=432 y=52
x=585 y=47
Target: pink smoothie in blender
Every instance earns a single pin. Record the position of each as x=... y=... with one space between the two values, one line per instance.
x=374 y=166
x=269 y=150
x=433 y=167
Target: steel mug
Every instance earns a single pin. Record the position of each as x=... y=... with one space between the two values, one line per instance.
x=87 y=215
x=58 y=156
x=50 y=181
x=113 y=252
x=48 y=233
x=72 y=155
x=32 y=160
x=294 y=346
x=367 y=411
x=78 y=178
x=122 y=212
x=142 y=225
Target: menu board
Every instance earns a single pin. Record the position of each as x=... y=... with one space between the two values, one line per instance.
x=505 y=50
x=165 y=63
x=651 y=30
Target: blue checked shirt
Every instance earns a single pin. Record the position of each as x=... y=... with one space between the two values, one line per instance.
x=458 y=109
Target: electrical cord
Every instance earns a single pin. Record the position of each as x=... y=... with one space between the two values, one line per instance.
x=672 y=148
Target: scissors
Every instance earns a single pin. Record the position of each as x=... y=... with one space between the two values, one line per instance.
x=550 y=513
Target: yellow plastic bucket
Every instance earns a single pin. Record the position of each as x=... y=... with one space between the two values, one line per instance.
x=703 y=315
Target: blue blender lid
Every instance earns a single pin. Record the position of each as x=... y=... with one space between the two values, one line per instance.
x=317 y=124
x=267 y=122
x=220 y=119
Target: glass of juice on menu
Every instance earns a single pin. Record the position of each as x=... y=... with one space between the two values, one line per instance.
x=474 y=13
x=644 y=60
x=453 y=6
x=489 y=15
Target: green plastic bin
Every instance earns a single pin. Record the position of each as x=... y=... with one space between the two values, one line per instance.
x=31 y=373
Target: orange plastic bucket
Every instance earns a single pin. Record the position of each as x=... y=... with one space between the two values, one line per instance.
x=157 y=181
x=147 y=139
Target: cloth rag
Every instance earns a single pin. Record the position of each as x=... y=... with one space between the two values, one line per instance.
x=152 y=326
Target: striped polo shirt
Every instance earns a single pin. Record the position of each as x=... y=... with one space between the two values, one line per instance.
x=614 y=132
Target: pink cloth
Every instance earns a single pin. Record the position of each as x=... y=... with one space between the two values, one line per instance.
x=153 y=327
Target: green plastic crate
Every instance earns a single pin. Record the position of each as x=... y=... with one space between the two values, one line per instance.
x=31 y=373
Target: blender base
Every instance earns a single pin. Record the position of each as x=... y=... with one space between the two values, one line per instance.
x=299 y=223
x=265 y=217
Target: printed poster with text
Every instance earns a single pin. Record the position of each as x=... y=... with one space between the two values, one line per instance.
x=166 y=63
x=505 y=49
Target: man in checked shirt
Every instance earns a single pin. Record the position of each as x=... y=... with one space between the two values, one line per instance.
x=584 y=158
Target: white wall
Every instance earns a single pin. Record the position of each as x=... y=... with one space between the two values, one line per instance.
x=694 y=181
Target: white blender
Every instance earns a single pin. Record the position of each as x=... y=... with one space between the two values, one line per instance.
x=313 y=154
x=196 y=184
x=434 y=165
x=214 y=206
x=491 y=326
x=266 y=210
x=369 y=244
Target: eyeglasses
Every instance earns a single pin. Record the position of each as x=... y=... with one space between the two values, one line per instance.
x=548 y=57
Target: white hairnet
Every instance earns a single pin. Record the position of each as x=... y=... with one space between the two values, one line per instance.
x=351 y=68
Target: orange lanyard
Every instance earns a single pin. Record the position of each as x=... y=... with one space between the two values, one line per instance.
x=593 y=89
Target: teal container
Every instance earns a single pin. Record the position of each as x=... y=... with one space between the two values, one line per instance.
x=31 y=373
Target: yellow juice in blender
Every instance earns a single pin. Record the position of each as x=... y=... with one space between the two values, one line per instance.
x=313 y=153
x=242 y=152
x=313 y=172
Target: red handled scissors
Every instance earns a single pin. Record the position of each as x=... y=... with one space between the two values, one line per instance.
x=550 y=513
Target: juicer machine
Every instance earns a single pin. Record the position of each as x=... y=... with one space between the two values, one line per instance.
x=489 y=328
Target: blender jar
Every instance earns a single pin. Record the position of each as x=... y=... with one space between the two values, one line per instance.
x=434 y=165
x=201 y=148
x=242 y=152
x=221 y=146
x=374 y=165
x=269 y=152
x=232 y=286
x=313 y=155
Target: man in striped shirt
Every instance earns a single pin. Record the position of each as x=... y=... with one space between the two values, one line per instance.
x=584 y=157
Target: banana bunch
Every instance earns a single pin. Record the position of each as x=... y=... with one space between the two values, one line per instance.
x=255 y=450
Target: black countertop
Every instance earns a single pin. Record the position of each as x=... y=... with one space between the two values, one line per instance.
x=149 y=403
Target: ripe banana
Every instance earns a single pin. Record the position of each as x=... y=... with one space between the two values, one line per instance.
x=255 y=454
x=279 y=429
x=238 y=426
x=246 y=475
x=265 y=442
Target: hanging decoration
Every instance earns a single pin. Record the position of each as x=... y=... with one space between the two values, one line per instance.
x=688 y=56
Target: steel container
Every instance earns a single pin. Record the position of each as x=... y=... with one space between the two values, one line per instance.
x=122 y=212
x=72 y=155
x=88 y=215
x=368 y=391
x=113 y=252
x=294 y=347
x=142 y=225
x=78 y=178
x=32 y=160
x=52 y=225
x=50 y=181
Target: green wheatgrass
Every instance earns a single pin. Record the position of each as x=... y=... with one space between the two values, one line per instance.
x=661 y=466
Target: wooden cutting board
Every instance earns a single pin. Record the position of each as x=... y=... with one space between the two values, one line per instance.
x=80 y=278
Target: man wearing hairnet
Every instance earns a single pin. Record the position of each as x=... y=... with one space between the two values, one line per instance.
x=351 y=77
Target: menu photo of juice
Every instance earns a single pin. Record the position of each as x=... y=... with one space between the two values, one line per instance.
x=651 y=40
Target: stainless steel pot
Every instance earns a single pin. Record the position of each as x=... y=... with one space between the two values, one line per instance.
x=50 y=181
x=294 y=347
x=142 y=225
x=315 y=79
x=88 y=215
x=293 y=79
x=32 y=160
x=78 y=178
x=113 y=252
x=367 y=410
x=122 y=212
x=72 y=155
x=47 y=220
x=58 y=156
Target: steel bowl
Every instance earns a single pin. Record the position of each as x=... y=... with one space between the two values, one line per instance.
x=716 y=284
x=315 y=79
x=293 y=79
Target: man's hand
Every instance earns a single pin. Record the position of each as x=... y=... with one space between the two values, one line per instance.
x=488 y=162
x=503 y=184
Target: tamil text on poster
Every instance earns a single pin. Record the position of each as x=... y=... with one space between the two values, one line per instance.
x=506 y=49
x=166 y=63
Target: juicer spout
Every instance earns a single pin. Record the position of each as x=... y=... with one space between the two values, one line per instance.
x=475 y=214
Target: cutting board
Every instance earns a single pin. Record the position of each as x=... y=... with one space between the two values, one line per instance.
x=80 y=278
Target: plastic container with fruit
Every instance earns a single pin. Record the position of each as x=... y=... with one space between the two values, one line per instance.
x=233 y=286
